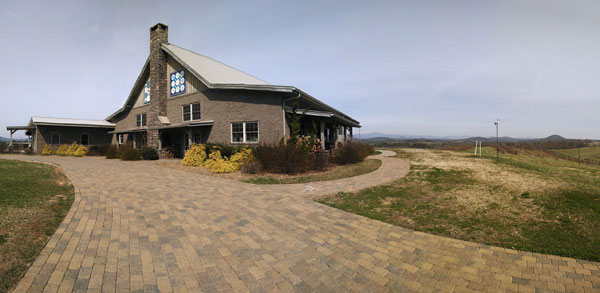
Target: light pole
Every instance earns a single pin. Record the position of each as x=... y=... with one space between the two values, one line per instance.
x=497 y=123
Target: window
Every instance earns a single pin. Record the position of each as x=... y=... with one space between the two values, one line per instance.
x=140 y=120
x=121 y=139
x=237 y=132
x=197 y=137
x=252 y=132
x=191 y=112
x=85 y=139
x=55 y=138
x=244 y=132
x=147 y=93
x=177 y=83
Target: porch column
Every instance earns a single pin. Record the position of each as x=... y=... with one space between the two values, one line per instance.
x=345 y=133
x=10 y=140
x=159 y=140
x=134 y=140
x=322 y=135
x=351 y=135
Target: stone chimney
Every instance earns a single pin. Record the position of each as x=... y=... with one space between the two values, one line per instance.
x=159 y=34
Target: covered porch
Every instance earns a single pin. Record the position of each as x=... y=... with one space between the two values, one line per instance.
x=331 y=129
x=136 y=137
x=177 y=138
x=29 y=131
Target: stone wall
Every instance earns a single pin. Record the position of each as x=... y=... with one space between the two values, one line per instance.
x=159 y=34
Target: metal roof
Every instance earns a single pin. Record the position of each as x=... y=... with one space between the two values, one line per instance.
x=216 y=75
x=70 y=122
x=212 y=71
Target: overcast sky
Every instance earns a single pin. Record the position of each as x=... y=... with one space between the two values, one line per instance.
x=445 y=68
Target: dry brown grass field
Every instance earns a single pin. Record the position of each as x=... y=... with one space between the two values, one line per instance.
x=525 y=201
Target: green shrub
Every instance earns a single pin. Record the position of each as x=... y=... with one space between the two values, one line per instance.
x=3 y=147
x=112 y=152
x=128 y=153
x=149 y=153
x=352 y=152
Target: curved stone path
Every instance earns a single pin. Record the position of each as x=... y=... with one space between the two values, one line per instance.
x=139 y=226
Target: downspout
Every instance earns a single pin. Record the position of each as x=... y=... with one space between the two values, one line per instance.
x=283 y=111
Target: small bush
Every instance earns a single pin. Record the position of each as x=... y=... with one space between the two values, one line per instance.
x=217 y=164
x=172 y=151
x=62 y=150
x=98 y=150
x=242 y=156
x=285 y=157
x=128 y=153
x=252 y=167
x=3 y=147
x=149 y=153
x=320 y=161
x=81 y=151
x=72 y=149
x=112 y=152
x=47 y=151
x=353 y=152
x=226 y=150
x=195 y=156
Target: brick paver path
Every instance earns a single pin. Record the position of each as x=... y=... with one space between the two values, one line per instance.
x=138 y=226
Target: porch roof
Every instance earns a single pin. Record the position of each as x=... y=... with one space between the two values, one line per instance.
x=131 y=130
x=186 y=124
x=326 y=114
x=20 y=127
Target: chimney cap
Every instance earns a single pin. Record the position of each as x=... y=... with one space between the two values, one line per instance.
x=160 y=25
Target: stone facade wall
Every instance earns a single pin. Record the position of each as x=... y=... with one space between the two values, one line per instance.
x=225 y=107
x=43 y=136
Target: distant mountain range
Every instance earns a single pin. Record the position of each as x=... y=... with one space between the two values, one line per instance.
x=377 y=136
x=384 y=136
x=5 y=139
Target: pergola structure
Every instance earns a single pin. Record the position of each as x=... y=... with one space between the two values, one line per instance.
x=28 y=131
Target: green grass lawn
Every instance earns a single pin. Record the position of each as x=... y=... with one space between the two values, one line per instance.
x=525 y=202
x=586 y=153
x=339 y=172
x=34 y=199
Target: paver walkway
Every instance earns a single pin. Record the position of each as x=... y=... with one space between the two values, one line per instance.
x=138 y=226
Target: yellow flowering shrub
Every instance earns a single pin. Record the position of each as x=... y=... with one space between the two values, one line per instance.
x=81 y=151
x=47 y=151
x=240 y=158
x=217 y=164
x=195 y=156
x=62 y=150
x=72 y=149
